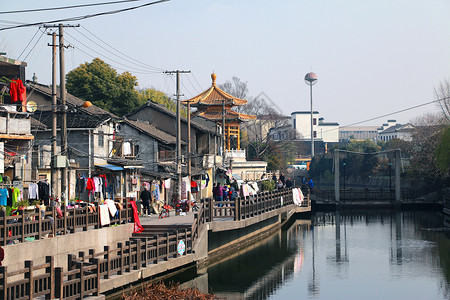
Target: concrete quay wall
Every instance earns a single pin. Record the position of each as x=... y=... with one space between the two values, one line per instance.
x=61 y=245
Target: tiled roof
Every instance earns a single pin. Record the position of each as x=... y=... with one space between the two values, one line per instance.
x=77 y=119
x=214 y=96
x=70 y=99
x=151 y=130
x=167 y=111
x=37 y=125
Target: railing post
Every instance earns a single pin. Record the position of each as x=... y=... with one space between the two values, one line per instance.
x=167 y=247
x=211 y=209
x=39 y=223
x=55 y=221
x=98 y=216
x=138 y=254
x=96 y=262
x=64 y=211
x=30 y=279
x=49 y=270
x=106 y=249
x=157 y=250
x=80 y=276
x=22 y=214
x=86 y=217
x=59 y=288
x=74 y=220
x=122 y=269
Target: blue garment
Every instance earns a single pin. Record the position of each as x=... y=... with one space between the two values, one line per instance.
x=3 y=196
x=310 y=183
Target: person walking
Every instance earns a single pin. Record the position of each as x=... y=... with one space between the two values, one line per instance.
x=145 y=197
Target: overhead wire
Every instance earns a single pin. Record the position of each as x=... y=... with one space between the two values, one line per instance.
x=135 y=61
x=85 y=16
x=63 y=7
x=134 y=69
x=34 y=45
x=18 y=58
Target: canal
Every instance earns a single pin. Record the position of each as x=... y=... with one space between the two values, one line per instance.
x=339 y=255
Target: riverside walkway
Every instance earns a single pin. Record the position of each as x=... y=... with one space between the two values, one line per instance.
x=121 y=257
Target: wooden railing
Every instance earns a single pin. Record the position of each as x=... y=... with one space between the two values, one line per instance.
x=243 y=208
x=39 y=224
x=83 y=274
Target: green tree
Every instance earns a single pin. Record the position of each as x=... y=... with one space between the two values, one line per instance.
x=99 y=83
x=157 y=97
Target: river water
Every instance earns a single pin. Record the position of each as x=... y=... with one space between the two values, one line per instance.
x=339 y=255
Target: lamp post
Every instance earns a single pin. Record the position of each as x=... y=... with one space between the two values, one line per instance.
x=311 y=79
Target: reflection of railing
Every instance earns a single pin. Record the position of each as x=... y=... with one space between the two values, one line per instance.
x=84 y=272
x=364 y=194
x=39 y=224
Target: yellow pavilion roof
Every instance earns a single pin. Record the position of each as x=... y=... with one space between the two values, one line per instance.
x=214 y=96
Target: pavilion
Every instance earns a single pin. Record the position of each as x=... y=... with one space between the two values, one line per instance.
x=216 y=105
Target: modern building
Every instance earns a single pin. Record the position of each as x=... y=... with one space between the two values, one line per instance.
x=327 y=132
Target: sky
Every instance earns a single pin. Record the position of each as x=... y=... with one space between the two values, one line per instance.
x=372 y=58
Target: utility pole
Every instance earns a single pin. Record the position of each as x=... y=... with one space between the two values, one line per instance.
x=62 y=90
x=178 y=156
x=54 y=171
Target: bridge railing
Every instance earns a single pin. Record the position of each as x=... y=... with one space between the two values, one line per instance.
x=247 y=207
x=38 y=224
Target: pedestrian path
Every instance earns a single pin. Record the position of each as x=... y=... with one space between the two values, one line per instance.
x=153 y=219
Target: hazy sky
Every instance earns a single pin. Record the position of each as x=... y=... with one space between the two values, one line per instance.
x=371 y=57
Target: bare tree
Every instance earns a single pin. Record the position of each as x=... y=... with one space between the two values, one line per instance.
x=442 y=94
x=426 y=137
x=236 y=88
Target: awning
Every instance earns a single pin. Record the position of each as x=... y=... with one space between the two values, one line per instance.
x=110 y=167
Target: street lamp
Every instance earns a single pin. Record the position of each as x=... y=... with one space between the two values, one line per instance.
x=311 y=79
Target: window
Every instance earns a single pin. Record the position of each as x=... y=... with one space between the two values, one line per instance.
x=100 y=138
x=314 y=121
x=315 y=133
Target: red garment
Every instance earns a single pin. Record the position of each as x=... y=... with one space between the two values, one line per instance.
x=90 y=185
x=2 y=255
x=16 y=90
x=137 y=223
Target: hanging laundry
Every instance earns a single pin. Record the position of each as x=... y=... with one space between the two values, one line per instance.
x=33 y=191
x=16 y=90
x=194 y=187
x=3 y=196
x=90 y=185
x=44 y=192
x=126 y=148
x=155 y=192
x=167 y=183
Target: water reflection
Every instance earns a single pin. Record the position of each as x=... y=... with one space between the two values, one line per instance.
x=342 y=255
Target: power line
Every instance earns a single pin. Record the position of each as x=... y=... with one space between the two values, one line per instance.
x=135 y=61
x=128 y=66
x=34 y=45
x=85 y=16
x=18 y=58
x=63 y=7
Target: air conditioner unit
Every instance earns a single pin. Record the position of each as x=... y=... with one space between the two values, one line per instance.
x=60 y=161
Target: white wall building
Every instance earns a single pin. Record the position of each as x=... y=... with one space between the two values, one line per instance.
x=325 y=131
